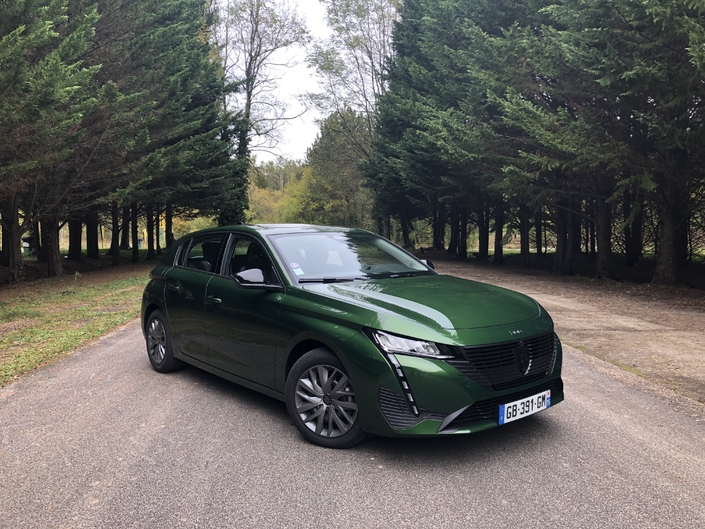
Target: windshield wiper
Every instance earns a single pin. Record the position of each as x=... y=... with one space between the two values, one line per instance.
x=403 y=274
x=331 y=279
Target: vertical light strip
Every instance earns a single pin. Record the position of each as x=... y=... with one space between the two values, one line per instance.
x=403 y=383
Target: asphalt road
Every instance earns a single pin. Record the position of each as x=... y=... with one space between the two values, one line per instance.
x=101 y=440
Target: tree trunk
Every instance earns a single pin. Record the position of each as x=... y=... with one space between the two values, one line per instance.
x=561 y=236
x=463 y=234
x=11 y=239
x=115 y=241
x=576 y=226
x=434 y=227
x=169 y=225
x=672 y=228
x=75 y=238
x=666 y=272
x=158 y=245
x=38 y=251
x=672 y=199
x=593 y=241
x=439 y=227
x=387 y=226
x=50 y=236
x=92 y=237
x=569 y=242
x=633 y=231
x=499 y=234
x=682 y=240
x=5 y=250
x=524 y=243
x=149 y=213
x=604 y=237
x=405 y=232
x=135 y=234
x=454 y=219
x=42 y=254
x=483 y=228
x=538 y=227
x=125 y=229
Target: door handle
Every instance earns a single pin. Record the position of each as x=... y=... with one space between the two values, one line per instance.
x=213 y=300
x=173 y=286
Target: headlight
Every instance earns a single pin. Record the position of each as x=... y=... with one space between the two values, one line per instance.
x=391 y=343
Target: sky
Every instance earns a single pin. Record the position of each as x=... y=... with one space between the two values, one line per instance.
x=300 y=133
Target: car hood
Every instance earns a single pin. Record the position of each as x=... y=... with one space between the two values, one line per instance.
x=437 y=301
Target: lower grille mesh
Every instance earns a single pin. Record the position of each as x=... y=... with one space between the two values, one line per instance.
x=488 y=409
x=396 y=410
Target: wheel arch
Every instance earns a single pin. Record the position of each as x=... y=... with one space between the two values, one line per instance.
x=302 y=347
x=310 y=339
x=147 y=312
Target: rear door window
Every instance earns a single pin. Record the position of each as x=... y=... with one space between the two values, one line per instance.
x=203 y=252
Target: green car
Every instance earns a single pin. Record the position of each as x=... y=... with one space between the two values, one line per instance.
x=356 y=335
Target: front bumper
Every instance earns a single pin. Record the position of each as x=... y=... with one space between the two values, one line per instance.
x=438 y=399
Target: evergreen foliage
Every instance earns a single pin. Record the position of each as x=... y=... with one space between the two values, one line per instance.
x=577 y=116
x=44 y=96
x=109 y=107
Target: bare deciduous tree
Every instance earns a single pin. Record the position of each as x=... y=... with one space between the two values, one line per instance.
x=253 y=38
x=350 y=63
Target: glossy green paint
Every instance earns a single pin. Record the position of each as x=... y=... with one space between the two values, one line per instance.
x=436 y=308
x=184 y=297
x=438 y=302
x=253 y=332
x=240 y=322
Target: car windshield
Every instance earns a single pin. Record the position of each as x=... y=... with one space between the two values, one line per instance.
x=344 y=256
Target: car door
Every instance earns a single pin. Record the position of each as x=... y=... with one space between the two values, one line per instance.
x=243 y=321
x=185 y=294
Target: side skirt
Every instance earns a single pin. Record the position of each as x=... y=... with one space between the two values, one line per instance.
x=232 y=378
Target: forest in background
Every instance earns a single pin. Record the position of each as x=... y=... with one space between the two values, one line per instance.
x=572 y=126
x=578 y=124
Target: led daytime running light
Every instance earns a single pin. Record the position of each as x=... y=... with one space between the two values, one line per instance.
x=404 y=384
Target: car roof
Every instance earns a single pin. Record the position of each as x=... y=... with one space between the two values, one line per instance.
x=264 y=230
x=277 y=229
x=167 y=259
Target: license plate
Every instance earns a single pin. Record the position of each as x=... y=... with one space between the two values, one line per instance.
x=523 y=408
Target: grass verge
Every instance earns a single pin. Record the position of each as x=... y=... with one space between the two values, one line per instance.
x=45 y=320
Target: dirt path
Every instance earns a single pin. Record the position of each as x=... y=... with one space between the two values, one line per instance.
x=655 y=332
x=99 y=440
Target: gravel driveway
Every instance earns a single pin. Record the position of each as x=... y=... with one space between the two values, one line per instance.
x=100 y=440
x=653 y=331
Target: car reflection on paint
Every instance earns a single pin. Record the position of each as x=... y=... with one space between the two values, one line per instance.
x=356 y=335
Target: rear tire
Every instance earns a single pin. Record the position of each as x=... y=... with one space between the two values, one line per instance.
x=321 y=401
x=159 y=347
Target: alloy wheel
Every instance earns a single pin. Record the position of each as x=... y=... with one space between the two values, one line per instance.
x=156 y=340
x=325 y=401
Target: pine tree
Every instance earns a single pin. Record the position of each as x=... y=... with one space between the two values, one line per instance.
x=43 y=98
x=633 y=98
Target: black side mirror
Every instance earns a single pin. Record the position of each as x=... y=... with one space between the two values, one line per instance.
x=428 y=263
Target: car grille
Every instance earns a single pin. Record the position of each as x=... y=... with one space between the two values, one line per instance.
x=488 y=409
x=509 y=364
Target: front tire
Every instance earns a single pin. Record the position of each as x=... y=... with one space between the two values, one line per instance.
x=321 y=401
x=159 y=347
